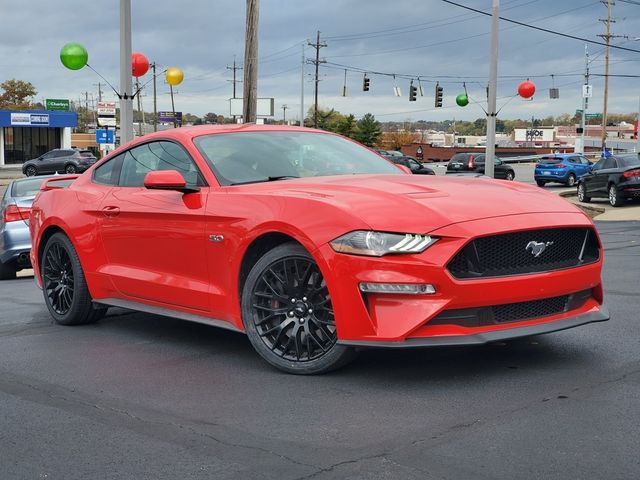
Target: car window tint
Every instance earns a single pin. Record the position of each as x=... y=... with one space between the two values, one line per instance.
x=106 y=173
x=628 y=161
x=609 y=163
x=599 y=164
x=26 y=188
x=172 y=156
x=136 y=163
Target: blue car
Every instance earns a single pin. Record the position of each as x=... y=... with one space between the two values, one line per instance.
x=15 y=241
x=564 y=168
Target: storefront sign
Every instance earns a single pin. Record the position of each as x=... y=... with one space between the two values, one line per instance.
x=30 y=119
x=104 y=136
x=57 y=104
x=170 y=117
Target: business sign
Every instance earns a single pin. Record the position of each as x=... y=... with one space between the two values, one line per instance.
x=106 y=109
x=170 y=117
x=264 y=107
x=534 y=135
x=104 y=136
x=30 y=119
x=589 y=116
x=57 y=104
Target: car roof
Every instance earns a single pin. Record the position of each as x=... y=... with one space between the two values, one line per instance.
x=560 y=155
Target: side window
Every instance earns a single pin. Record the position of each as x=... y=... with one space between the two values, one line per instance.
x=107 y=173
x=584 y=160
x=574 y=159
x=609 y=163
x=599 y=165
x=154 y=156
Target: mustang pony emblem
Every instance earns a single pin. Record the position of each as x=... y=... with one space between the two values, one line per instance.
x=536 y=248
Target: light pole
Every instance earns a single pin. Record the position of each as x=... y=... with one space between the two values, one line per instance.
x=491 y=101
x=126 y=84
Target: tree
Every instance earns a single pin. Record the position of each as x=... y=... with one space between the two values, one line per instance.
x=395 y=140
x=346 y=126
x=210 y=118
x=16 y=95
x=369 y=130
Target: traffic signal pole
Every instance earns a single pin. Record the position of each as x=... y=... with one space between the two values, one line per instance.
x=493 y=80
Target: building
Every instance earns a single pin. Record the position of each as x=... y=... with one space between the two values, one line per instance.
x=27 y=134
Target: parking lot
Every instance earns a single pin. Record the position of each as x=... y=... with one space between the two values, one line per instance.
x=142 y=396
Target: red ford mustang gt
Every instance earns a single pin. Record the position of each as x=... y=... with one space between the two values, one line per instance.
x=312 y=245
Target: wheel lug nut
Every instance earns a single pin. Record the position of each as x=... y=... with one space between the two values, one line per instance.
x=310 y=310
x=302 y=320
x=304 y=299
x=290 y=314
x=293 y=300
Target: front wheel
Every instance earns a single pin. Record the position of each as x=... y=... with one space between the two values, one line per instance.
x=582 y=193
x=70 y=169
x=63 y=284
x=614 y=199
x=510 y=175
x=31 y=171
x=288 y=315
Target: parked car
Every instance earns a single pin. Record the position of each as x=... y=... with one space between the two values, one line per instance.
x=15 y=242
x=60 y=160
x=616 y=177
x=414 y=165
x=312 y=245
x=564 y=168
x=392 y=153
x=474 y=163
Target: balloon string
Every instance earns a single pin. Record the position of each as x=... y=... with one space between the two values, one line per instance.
x=112 y=87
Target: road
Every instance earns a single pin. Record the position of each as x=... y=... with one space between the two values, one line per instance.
x=138 y=396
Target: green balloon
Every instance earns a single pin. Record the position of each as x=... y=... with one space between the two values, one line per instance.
x=74 y=56
x=462 y=100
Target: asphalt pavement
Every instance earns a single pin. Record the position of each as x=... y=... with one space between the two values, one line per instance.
x=138 y=396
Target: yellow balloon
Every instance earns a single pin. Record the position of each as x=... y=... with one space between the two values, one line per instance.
x=174 y=76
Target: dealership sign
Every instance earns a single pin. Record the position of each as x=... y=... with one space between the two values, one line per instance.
x=57 y=104
x=30 y=119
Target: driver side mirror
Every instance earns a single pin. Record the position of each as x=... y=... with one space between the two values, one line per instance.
x=167 y=180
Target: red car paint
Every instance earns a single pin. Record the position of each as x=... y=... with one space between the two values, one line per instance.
x=153 y=247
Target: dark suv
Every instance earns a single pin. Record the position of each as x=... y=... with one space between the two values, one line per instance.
x=474 y=163
x=61 y=160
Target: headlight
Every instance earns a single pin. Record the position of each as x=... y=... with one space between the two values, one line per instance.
x=377 y=244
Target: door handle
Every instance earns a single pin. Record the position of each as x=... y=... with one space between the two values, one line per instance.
x=110 y=211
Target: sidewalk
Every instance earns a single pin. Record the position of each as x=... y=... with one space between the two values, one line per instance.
x=600 y=209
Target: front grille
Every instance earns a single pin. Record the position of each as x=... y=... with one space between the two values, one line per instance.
x=511 y=312
x=515 y=253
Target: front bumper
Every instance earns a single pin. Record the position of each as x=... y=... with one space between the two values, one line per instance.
x=396 y=320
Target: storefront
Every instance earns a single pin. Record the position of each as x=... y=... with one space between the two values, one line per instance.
x=28 y=134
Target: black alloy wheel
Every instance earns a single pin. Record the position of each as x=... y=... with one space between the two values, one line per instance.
x=31 y=171
x=582 y=193
x=571 y=180
x=288 y=315
x=64 y=285
x=70 y=169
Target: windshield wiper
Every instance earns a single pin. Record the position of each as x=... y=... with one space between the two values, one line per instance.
x=268 y=179
x=281 y=177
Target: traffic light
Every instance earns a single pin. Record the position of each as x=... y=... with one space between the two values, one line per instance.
x=412 y=93
x=438 y=102
x=365 y=84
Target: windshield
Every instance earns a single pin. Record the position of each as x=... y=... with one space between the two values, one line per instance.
x=27 y=188
x=249 y=157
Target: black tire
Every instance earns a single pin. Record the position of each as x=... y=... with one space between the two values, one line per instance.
x=571 y=180
x=70 y=169
x=31 y=171
x=582 y=193
x=614 y=198
x=64 y=286
x=510 y=175
x=541 y=183
x=288 y=316
x=7 y=270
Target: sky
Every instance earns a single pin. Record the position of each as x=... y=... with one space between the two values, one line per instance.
x=428 y=40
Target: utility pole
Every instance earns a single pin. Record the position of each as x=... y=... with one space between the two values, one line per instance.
x=317 y=63
x=250 y=87
x=585 y=99
x=126 y=87
x=302 y=89
x=234 y=81
x=607 y=37
x=491 y=103
x=139 y=105
x=155 y=99
x=99 y=85
x=284 y=114
x=86 y=101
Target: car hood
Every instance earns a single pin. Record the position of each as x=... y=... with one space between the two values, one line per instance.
x=420 y=203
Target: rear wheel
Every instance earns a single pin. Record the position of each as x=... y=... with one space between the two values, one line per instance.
x=582 y=193
x=288 y=315
x=31 y=171
x=571 y=180
x=64 y=286
x=541 y=183
x=511 y=175
x=7 y=270
x=614 y=198
x=70 y=169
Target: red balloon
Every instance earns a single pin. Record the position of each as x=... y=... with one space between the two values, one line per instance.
x=139 y=64
x=526 y=89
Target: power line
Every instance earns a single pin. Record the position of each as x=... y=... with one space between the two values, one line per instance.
x=522 y=24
